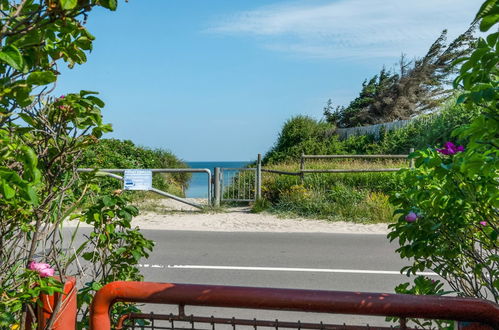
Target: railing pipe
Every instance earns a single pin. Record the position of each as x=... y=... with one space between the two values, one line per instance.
x=110 y=172
x=154 y=170
x=318 y=301
x=258 y=177
x=157 y=191
x=216 y=187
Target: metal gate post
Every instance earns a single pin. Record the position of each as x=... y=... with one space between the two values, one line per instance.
x=259 y=177
x=216 y=188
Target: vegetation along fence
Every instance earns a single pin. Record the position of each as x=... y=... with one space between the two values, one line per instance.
x=111 y=173
x=375 y=130
x=245 y=184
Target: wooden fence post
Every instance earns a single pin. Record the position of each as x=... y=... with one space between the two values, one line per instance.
x=259 y=177
x=411 y=161
x=302 y=167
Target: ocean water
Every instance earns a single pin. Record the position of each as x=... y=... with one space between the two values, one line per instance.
x=198 y=187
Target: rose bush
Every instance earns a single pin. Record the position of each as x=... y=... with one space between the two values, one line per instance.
x=454 y=189
x=42 y=139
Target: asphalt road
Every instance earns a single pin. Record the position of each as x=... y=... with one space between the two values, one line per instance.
x=285 y=260
x=344 y=262
x=252 y=258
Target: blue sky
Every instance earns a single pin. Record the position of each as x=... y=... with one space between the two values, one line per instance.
x=216 y=79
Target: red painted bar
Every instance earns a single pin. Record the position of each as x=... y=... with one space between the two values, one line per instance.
x=66 y=316
x=337 y=302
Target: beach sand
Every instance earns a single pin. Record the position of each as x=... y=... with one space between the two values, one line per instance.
x=167 y=214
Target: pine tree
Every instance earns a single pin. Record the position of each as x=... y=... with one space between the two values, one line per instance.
x=419 y=86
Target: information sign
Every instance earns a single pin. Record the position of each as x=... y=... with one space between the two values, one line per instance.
x=137 y=180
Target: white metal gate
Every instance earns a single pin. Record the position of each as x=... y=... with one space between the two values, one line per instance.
x=238 y=184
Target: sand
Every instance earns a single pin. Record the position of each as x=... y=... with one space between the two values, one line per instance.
x=168 y=214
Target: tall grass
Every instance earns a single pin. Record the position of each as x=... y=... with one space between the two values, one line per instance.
x=354 y=197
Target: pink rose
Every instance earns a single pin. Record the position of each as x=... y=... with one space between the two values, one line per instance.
x=411 y=217
x=43 y=270
x=483 y=223
x=46 y=272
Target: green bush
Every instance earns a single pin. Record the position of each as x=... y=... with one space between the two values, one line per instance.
x=330 y=196
x=113 y=153
x=341 y=203
x=302 y=134
x=428 y=131
x=451 y=200
x=359 y=197
x=305 y=135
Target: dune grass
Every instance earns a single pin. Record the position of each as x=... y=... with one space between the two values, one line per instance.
x=353 y=197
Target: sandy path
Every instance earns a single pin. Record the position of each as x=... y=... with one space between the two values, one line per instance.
x=238 y=220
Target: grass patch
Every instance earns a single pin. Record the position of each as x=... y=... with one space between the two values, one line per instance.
x=338 y=204
x=354 y=197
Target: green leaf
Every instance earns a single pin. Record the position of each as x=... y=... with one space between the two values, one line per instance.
x=41 y=78
x=29 y=156
x=28 y=119
x=108 y=201
x=96 y=286
x=109 y=4
x=462 y=98
x=85 y=93
x=492 y=39
x=488 y=22
x=12 y=57
x=7 y=191
x=68 y=4
x=33 y=197
x=97 y=101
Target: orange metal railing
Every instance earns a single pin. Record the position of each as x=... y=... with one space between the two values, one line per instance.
x=337 y=302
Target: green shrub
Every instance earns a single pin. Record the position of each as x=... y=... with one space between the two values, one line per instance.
x=324 y=199
x=451 y=199
x=113 y=153
x=428 y=131
x=359 y=197
x=304 y=135
x=260 y=205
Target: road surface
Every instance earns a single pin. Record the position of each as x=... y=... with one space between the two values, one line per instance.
x=345 y=262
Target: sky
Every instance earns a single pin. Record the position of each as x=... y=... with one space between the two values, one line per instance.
x=215 y=80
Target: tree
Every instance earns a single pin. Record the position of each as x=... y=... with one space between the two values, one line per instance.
x=41 y=140
x=352 y=115
x=419 y=86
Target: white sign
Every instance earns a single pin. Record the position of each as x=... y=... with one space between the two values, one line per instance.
x=137 y=180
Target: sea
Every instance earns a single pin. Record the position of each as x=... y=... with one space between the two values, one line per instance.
x=198 y=186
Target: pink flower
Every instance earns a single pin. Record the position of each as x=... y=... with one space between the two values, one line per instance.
x=411 y=217
x=62 y=96
x=43 y=270
x=483 y=223
x=450 y=149
x=46 y=272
